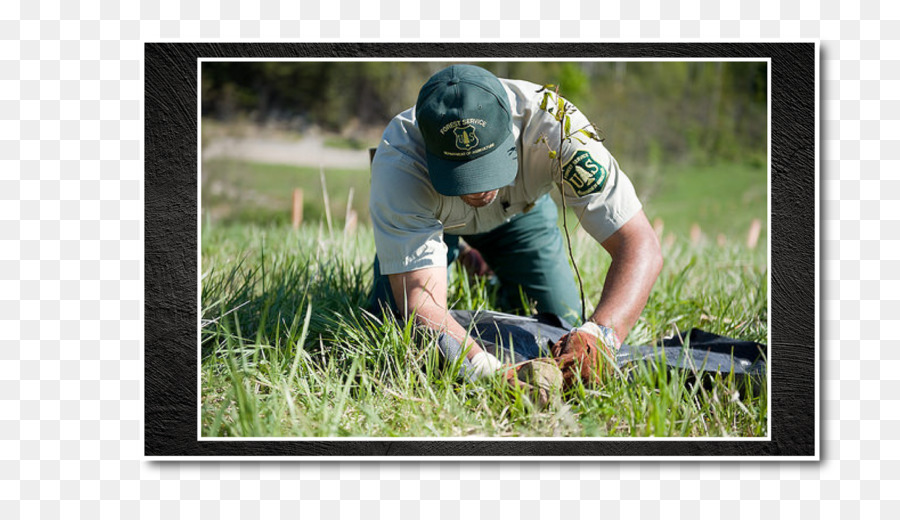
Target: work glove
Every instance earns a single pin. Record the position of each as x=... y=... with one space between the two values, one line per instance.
x=586 y=353
x=540 y=379
x=482 y=364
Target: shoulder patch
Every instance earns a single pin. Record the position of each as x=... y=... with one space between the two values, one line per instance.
x=584 y=174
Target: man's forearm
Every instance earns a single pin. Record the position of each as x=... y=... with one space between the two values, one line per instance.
x=423 y=293
x=636 y=263
x=440 y=320
x=625 y=294
x=480 y=362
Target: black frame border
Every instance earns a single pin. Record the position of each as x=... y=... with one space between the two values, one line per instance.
x=170 y=239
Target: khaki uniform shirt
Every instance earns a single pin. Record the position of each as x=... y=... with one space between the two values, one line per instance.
x=409 y=216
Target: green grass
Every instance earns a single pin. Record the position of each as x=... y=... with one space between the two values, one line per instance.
x=722 y=199
x=256 y=193
x=286 y=350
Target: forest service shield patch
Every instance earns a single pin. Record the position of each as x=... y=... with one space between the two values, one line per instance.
x=584 y=175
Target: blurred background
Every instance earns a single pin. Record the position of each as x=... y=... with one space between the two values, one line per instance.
x=690 y=135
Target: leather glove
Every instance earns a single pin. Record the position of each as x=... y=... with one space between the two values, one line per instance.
x=586 y=353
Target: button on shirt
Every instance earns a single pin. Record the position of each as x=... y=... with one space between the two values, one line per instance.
x=409 y=217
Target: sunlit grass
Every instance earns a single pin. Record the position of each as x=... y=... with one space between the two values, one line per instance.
x=287 y=351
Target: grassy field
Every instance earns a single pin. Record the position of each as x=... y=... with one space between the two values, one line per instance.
x=286 y=350
x=256 y=193
x=719 y=199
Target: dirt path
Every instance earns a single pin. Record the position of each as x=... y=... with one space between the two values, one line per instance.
x=308 y=151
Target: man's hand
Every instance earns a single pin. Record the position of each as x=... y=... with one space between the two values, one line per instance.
x=473 y=262
x=484 y=364
x=586 y=353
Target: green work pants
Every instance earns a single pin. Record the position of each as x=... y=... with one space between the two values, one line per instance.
x=526 y=253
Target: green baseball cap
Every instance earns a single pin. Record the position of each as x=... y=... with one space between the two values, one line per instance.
x=464 y=116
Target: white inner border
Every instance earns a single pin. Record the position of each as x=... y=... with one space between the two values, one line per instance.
x=816 y=456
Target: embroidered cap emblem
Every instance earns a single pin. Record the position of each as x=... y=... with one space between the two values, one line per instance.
x=465 y=137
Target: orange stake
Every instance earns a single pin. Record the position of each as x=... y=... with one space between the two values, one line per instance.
x=297 y=211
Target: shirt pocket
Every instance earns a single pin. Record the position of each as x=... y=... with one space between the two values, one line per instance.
x=455 y=215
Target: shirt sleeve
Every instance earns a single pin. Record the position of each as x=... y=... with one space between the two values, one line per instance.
x=606 y=207
x=408 y=235
x=598 y=191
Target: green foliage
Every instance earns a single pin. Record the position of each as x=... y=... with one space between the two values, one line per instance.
x=287 y=351
x=574 y=84
x=694 y=111
x=327 y=94
x=561 y=109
